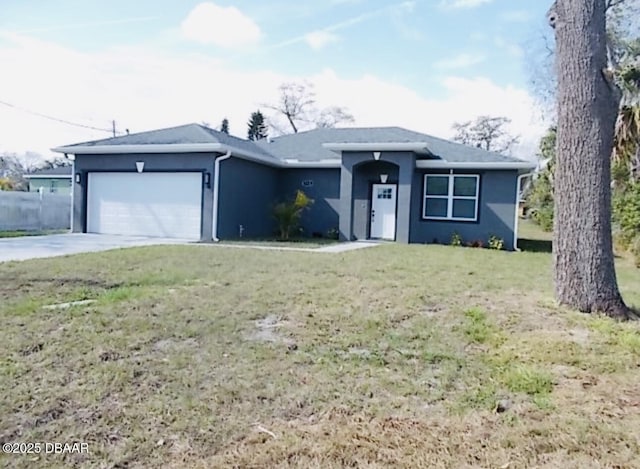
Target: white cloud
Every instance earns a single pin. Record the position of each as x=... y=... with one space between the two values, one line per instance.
x=459 y=61
x=464 y=99
x=463 y=3
x=319 y=39
x=228 y=27
x=144 y=89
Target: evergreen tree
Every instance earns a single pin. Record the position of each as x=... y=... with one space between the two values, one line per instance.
x=224 y=127
x=257 y=129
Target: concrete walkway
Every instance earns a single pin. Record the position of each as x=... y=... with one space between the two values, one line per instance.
x=344 y=247
x=34 y=247
x=333 y=248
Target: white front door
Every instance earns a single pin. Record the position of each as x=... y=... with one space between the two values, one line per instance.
x=383 y=211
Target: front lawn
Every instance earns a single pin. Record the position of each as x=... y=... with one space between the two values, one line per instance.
x=21 y=233
x=303 y=243
x=393 y=356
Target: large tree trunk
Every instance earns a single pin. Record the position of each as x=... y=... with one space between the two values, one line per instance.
x=585 y=277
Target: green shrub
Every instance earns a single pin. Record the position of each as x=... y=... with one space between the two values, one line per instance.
x=635 y=250
x=496 y=243
x=456 y=239
x=543 y=216
x=626 y=215
x=288 y=214
x=333 y=233
x=7 y=184
x=540 y=194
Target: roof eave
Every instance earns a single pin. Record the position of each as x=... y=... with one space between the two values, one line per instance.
x=416 y=147
x=140 y=148
x=441 y=164
x=166 y=148
x=51 y=176
x=311 y=164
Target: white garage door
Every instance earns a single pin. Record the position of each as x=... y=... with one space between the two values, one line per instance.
x=145 y=204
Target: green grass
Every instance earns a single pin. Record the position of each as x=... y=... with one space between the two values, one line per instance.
x=395 y=356
x=21 y=233
x=306 y=243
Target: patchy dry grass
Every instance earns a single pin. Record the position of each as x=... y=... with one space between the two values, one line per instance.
x=397 y=356
x=304 y=243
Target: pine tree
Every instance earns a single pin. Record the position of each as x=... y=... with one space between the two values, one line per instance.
x=224 y=127
x=257 y=129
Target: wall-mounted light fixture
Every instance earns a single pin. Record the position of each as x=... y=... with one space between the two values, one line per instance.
x=384 y=178
x=78 y=178
x=376 y=155
x=207 y=180
x=140 y=166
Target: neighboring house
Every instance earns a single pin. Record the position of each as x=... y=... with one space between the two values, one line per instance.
x=369 y=183
x=55 y=180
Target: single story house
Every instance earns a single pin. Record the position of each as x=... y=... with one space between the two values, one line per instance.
x=53 y=180
x=385 y=183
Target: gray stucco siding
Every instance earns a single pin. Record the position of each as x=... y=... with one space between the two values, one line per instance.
x=175 y=162
x=360 y=171
x=321 y=185
x=496 y=211
x=247 y=193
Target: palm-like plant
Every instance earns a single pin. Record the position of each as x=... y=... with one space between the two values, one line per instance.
x=288 y=214
x=626 y=151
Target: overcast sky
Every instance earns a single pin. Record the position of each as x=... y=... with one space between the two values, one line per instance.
x=419 y=64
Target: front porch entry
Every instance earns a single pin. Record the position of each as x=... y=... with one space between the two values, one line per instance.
x=383 y=211
x=375 y=195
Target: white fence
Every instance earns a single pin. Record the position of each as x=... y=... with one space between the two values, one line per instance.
x=33 y=211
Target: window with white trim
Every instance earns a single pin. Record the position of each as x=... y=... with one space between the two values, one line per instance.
x=451 y=197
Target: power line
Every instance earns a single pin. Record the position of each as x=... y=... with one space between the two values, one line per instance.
x=55 y=119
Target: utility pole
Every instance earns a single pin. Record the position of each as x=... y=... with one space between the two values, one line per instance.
x=113 y=127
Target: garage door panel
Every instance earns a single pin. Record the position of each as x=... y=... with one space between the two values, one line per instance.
x=145 y=204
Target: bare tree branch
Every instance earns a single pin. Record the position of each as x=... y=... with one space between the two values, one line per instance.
x=297 y=106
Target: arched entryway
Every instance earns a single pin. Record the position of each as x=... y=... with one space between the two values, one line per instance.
x=375 y=200
x=375 y=195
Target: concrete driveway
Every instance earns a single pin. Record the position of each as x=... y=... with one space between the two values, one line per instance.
x=32 y=247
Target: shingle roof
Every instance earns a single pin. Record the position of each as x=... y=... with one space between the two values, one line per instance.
x=306 y=146
x=184 y=134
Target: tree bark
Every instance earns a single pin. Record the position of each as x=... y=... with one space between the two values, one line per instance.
x=584 y=271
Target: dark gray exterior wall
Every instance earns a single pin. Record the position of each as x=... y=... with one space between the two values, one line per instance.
x=322 y=216
x=359 y=172
x=496 y=210
x=247 y=193
x=192 y=162
x=342 y=196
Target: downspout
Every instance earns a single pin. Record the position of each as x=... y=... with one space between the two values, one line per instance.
x=216 y=192
x=73 y=187
x=517 y=218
